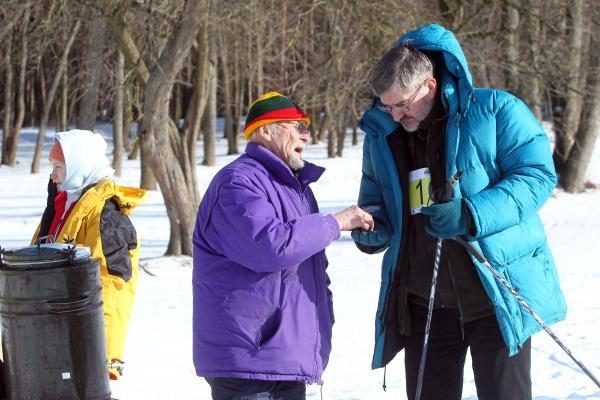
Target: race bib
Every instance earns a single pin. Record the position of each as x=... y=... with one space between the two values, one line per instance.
x=419 y=182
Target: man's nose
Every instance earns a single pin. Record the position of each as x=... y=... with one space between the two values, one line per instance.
x=304 y=135
x=398 y=114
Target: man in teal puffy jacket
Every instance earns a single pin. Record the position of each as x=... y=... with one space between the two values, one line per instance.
x=427 y=125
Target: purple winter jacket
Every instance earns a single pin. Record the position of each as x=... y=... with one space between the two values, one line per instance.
x=262 y=306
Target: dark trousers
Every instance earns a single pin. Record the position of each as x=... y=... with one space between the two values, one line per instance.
x=254 y=389
x=497 y=376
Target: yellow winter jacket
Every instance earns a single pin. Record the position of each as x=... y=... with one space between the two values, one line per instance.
x=99 y=221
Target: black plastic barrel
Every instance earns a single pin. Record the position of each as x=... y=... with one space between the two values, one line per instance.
x=52 y=330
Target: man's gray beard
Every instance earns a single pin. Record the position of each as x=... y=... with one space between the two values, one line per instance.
x=412 y=129
x=296 y=163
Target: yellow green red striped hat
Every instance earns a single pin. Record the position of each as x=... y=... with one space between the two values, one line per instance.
x=272 y=107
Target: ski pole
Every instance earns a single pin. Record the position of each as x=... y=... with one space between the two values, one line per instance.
x=481 y=258
x=440 y=196
x=436 y=267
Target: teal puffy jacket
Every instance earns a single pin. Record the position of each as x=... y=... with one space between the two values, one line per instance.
x=508 y=174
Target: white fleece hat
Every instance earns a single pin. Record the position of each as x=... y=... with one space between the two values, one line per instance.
x=85 y=158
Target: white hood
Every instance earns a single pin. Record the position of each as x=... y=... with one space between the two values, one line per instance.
x=85 y=160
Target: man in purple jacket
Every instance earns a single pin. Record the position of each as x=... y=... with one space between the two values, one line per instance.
x=262 y=307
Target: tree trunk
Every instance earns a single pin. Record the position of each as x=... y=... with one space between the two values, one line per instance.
x=118 y=115
x=12 y=136
x=177 y=103
x=161 y=142
x=226 y=89
x=127 y=115
x=572 y=178
x=209 y=129
x=43 y=91
x=147 y=178
x=566 y=130
x=199 y=97
x=331 y=133
x=62 y=65
x=284 y=43
x=92 y=68
x=532 y=86
x=510 y=32
x=133 y=153
x=63 y=113
x=341 y=136
x=324 y=124
x=238 y=105
x=315 y=123
x=31 y=100
x=8 y=137
x=259 y=59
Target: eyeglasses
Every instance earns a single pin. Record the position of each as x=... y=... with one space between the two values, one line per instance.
x=403 y=105
x=300 y=126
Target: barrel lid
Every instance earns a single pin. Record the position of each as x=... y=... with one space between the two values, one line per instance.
x=44 y=255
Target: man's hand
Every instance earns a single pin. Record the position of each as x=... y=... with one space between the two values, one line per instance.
x=447 y=220
x=354 y=218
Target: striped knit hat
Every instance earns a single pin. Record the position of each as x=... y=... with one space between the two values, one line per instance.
x=272 y=107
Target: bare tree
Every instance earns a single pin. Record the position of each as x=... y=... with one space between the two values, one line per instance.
x=510 y=32
x=567 y=128
x=572 y=177
x=92 y=69
x=62 y=65
x=8 y=137
x=168 y=152
x=118 y=115
x=532 y=84
x=317 y=52
x=206 y=87
x=199 y=100
x=227 y=86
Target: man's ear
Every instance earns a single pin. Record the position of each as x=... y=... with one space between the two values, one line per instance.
x=263 y=134
x=432 y=85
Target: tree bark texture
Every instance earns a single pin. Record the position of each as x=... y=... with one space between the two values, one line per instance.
x=572 y=178
x=567 y=129
x=62 y=65
x=160 y=140
x=118 y=115
x=92 y=67
x=7 y=137
x=510 y=32
x=532 y=86
x=9 y=157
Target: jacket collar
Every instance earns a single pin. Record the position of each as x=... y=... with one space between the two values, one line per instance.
x=302 y=178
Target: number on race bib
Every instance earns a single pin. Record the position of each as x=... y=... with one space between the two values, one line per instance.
x=419 y=183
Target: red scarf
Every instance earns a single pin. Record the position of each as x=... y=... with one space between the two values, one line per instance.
x=59 y=209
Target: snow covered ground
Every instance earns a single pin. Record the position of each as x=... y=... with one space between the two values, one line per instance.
x=159 y=359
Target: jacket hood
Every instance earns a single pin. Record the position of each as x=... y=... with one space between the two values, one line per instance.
x=434 y=38
x=453 y=74
x=85 y=159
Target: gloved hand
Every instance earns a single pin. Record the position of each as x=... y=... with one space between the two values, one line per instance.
x=52 y=192
x=447 y=220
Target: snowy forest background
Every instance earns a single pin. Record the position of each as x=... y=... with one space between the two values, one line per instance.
x=168 y=83
x=174 y=66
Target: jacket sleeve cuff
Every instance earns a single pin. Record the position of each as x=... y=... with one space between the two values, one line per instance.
x=333 y=226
